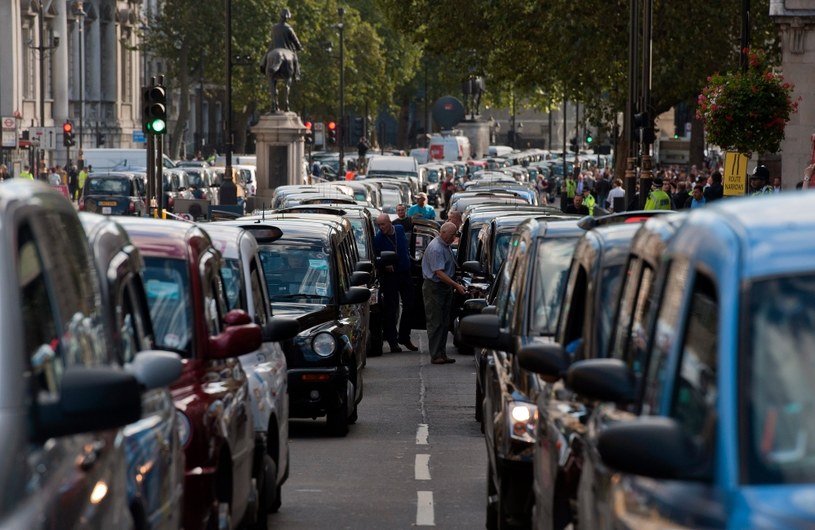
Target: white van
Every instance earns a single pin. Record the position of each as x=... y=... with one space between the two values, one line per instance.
x=119 y=159
x=498 y=151
x=449 y=148
x=394 y=167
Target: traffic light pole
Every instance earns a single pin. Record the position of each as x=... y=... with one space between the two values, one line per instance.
x=341 y=121
x=151 y=175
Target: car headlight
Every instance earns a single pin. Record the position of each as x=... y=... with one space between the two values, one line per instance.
x=522 y=419
x=184 y=428
x=324 y=344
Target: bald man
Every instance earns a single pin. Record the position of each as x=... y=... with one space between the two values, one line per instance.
x=396 y=284
x=438 y=268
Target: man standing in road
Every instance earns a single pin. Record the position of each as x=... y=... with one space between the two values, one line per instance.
x=421 y=208
x=403 y=219
x=396 y=283
x=438 y=268
x=758 y=182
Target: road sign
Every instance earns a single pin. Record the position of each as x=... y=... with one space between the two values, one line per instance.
x=138 y=137
x=734 y=179
x=9 y=138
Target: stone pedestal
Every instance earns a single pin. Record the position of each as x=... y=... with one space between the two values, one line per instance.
x=280 y=151
x=478 y=132
x=796 y=23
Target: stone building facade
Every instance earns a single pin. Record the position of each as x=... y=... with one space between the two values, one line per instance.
x=796 y=24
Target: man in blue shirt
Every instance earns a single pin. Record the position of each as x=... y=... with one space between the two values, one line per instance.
x=396 y=283
x=421 y=208
x=438 y=268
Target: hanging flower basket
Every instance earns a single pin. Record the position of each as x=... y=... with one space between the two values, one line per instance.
x=747 y=111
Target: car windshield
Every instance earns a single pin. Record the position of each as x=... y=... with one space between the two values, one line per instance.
x=196 y=179
x=361 y=236
x=297 y=273
x=390 y=198
x=433 y=175
x=231 y=274
x=777 y=395
x=108 y=186
x=551 y=270
x=166 y=282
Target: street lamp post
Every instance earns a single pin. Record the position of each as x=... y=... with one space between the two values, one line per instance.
x=79 y=9
x=341 y=128
x=42 y=48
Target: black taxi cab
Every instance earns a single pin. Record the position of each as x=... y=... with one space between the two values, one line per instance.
x=310 y=262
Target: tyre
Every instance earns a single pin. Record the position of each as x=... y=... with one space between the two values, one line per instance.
x=479 y=406
x=375 y=338
x=337 y=422
x=492 y=502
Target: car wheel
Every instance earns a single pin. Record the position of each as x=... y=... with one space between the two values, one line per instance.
x=479 y=406
x=375 y=340
x=268 y=494
x=492 y=502
x=337 y=422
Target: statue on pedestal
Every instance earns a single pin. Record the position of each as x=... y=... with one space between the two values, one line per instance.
x=280 y=61
x=473 y=87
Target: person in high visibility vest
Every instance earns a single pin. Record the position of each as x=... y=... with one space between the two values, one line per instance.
x=758 y=182
x=659 y=199
x=571 y=188
x=588 y=200
x=26 y=173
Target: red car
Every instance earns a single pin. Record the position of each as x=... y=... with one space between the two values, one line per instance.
x=189 y=309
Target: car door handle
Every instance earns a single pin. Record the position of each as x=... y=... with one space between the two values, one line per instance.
x=91 y=455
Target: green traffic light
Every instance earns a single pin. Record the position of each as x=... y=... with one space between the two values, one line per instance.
x=156 y=126
x=589 y=139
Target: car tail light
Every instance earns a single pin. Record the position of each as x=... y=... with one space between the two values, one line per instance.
x=171 y=202
x=82 y=204
x=132 y=207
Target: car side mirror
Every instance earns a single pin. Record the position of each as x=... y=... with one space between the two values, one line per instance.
x=548 y=360
x=473 y=267
x=280 y=328
x=90 y=399
x=387 y=257
x=155 y=368
x=489 y=310
x=239 y=337
x=484 y=331
x=359 y=278
x=603 y=380
x=356 y=295
x=474 y=306
x=364 y=266
x=653 y=446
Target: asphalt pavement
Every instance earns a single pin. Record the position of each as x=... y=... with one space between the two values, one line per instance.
x=415 y=458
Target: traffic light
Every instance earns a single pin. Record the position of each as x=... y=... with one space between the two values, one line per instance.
x=68 y=134
x=332 y=133
x=309 y=136
x=154 y=109
x=573 y=144
x=589 y=138
x=359 y=129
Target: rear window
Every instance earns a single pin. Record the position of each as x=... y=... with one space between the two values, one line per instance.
x=296 y=273
x=108 y=186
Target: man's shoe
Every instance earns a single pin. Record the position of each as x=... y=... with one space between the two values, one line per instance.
x=448 y=360
x=440 y=360
x=409 y=345
x=394 y=347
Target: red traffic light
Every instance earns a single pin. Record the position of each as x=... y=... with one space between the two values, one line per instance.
x=67 y=127
x=332 y=126
x=308 y=125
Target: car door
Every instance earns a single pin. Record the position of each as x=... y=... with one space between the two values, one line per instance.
x=681 y=382
x=63 y=327
x=421 y=236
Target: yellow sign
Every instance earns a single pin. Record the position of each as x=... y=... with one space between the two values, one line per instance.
x=734 y=179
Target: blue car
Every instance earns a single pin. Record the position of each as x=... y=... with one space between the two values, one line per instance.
x=724 y=432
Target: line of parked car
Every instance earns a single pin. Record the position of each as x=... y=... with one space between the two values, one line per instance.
x=646 y=369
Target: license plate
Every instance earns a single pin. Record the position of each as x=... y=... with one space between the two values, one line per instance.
x=107 y=203
x=106 y=210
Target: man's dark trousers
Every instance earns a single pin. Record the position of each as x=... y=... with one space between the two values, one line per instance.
x=396 y=286
x=438 y=300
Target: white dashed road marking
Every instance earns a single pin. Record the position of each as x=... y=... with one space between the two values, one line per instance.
x=421 y=468
x=424 y=509
x=421 y=434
